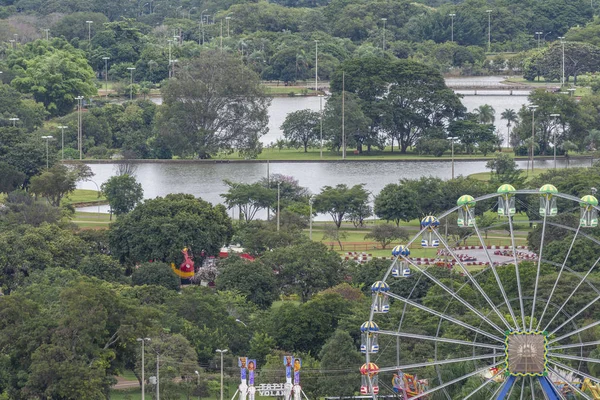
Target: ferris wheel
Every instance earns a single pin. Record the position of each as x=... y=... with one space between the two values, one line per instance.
x=492 y=319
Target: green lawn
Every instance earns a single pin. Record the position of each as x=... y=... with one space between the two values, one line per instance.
x=485 y=176
x=88 y=220
x=84 y=196
x=286 y=90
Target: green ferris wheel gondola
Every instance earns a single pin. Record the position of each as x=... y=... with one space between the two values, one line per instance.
x=466 y=205
x=506 y=202
x=548 y=200
x=589 y=212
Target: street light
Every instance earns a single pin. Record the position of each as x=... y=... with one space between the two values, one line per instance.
x=157 y=375
x=321 y=126
x=555 y=126
x=311 y=200
x=316 y=64
x=48 y=138
x=89 y=30
x=131 y=83
x=198 y=384
x=62 y=135
x=539 y=36
x=532 y=108
x=383 y=19
x=143 y=340
x=14 y=120
x=562 y=41
x=47 y=33
x=278 y=198
x=227 y=19
x=489 y=12
x=79 y=126
x=221 y=351
x=241 y=322
x=106 y=73
x=452 y=28
x=202 y=26
x=452 y=139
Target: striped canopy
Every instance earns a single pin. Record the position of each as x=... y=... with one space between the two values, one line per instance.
x=400 y=251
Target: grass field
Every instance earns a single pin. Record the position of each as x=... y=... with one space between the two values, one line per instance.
x=84 y=196
x=485 y=176
x=88 y=220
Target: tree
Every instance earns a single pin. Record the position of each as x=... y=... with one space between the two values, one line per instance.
x=339 y=350
x=54 y=73
x=12 y=178
x=159 y=228
x=504 y=170
x=472 y=134
x=511 y=117
x=485 y=114
x=300 y=128
x=103 y=267
x=155 y=273
x=386 y=234
x=251 y=279
x=249 y=198
x=197 y=124
x=332 y=232
x=340 y=200
x=396 y=203
x=123 y=193
x=356 y=123
x=579 y=58
x=58 y=181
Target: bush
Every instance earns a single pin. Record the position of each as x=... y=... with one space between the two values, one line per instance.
x=155 y=273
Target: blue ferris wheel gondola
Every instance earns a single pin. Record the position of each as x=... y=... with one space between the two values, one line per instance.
x=369 y=332
x=369 y=326
x=381 y=301
x=429 y=238
x=400 y=268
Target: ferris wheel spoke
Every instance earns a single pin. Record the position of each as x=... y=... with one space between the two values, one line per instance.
x=569 y=384
x=570 y=346
x=453 y=381
x=572 y=293
x=438 y=362
x=532 y=386
x=574 y=371
x=455 y=295
x=496 y=276
x=475 y=283
x=537 y=274
x=576 y=358
x=559 y=275
x=441 y=339
x=446 y=317
x=576 y=314
x=576 y=331
x=514 y=249
x=487 y=382
x=522 y=388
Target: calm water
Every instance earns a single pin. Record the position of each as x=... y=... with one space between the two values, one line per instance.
x=205 y=180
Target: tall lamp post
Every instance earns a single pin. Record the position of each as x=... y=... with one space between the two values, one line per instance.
x=489 y=12
x=106 y=75
x=89 y=24
x=321 y=126
x=556 y=117
x=452 y=27
x=201 y=39
x=384 y=20
x=227 y=19
x=221 y=351
x=562 y=41
x=47 y=33
x=278 y=198
x=48 y=138
x=14 y=120
x=539 y=36
x=62 y=140
x=131 y=83
x=311 y=200
x=452 y=139
x=79 y=126
x=198 y=384
x=532 y=108
x=316 y=65
x=143 y=340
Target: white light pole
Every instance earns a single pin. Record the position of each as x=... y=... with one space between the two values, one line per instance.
x=157 y=376
x=383 y=19
x=452 y=139
x=89 y=23
x=316 y=65
x=311 y=200
x=489 y=12
x=227 y=19
x=106 y=74
x=48 y=138
x=143 y=340
x=343 y=115
x=62 y=136
x=14 y=120
x=452 y=27
x=562 y=41
x=198 y=384
x=131 y=83
x=241 y=322
x=201 y=39
x=321 y=126
x=221 y=351
x=532 y=108
x=556 y=116
x=539 y=36
x=278 y=198
x=79 y=126
x=47 y=33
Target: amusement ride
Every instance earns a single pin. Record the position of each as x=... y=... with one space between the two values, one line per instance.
x=491 y=321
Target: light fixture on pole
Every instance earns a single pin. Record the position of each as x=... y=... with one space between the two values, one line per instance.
x=106 y=74
x=278 y=198
x=157 y=375
x=311 y=200
x=47 y=33
x=48 y=138
x=239 y=321
x=316 y=65
x=198 y=384
x=79 y=126
x=321 y=126
x=227 y=19
x=532 y=108
x=62 y=140
x=201 y=37
x=556 y=117
x=489 y=12
x=89 y=23
x=131 y=83
x=221 y=351
x=14 y=120
x=562 y=41
x=383 y=19
x=452 y=139
x=539 y=36
x=343 y=115
x=143 y=340
x=452 y=27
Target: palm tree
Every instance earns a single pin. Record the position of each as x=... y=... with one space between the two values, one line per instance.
x=510 y=116
x=485 y=114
